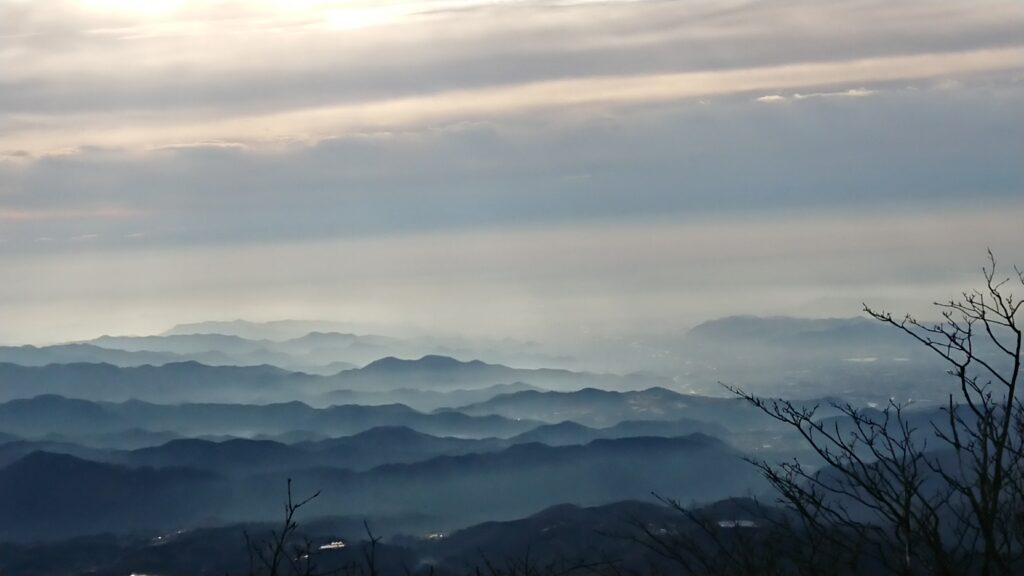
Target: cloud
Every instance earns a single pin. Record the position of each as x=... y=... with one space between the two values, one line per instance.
x=899 y=148
x=312 y=124
x=529 y=165
x=253 y=73
x=851 y=93
x=215 y=144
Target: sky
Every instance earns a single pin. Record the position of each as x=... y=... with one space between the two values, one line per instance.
x=540 y=169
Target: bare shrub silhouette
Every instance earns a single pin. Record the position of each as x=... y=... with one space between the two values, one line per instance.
x=895 y=495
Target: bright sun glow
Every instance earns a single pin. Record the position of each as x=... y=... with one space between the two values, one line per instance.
x=354 y=18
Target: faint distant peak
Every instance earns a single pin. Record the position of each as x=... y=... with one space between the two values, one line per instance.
x=788 y=328
x=428 y=362
x=744 y=321
x=390 y=433
x=277 y=330
x=327 y=336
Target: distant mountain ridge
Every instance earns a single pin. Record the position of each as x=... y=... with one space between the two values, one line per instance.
x=272 y=330
x=386 y=444
x=88 y=353
x=174 y=382
x=423 y=400
x=320 y=344
x=52 y=414
x=569 y=432
x=315 y=352
x=603 y=408
x=860 y=359
x=443 y=373
x=359 y=452
x=191 y=381
x=787 y=331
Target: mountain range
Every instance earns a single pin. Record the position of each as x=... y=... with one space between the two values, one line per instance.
x=53 y=496
x=195 y=382
x=173 y=444
x=601 y=408
x=44 y=415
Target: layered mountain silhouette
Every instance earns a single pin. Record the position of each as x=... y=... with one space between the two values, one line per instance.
x=852 y=335
x=193 y=382
x=602 y=408
x=425 y=400
x=171 y=443
x=569 y=432
x=175 y=382
x=362 y=451
x=45 y=415
x=54 y=496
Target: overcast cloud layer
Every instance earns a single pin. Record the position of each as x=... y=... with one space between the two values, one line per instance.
x=533 y=168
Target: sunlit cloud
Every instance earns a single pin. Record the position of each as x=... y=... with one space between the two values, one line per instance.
x=265 y=73
x=312 y=124
x=851 y=93
x=210 y=144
